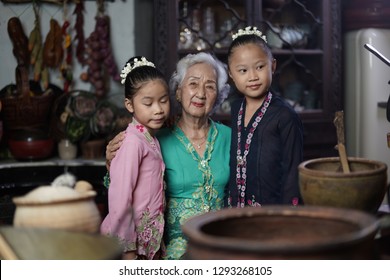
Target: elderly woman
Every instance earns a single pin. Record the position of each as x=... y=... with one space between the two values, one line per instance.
x=195 y=149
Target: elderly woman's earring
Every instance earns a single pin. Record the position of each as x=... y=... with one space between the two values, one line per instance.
x=178 y=99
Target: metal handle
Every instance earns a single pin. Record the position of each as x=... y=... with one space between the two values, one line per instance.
x=377 y=53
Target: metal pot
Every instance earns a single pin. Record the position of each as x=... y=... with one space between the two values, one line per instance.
x=282 y=232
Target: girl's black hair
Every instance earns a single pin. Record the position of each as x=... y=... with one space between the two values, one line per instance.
x=140 y=75
x=248 y=39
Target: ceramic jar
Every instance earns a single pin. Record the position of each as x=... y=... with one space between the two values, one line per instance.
x=58 y=207
x=66 y=149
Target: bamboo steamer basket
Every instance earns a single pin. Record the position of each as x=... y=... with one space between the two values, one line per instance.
x=58 y=207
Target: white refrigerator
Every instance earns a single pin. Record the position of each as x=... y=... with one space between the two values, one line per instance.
x=367 y=91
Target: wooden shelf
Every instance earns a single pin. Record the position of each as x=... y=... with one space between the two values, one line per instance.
x=315 y=65
x=57 y=2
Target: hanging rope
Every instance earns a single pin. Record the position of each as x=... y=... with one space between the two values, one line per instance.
x=100 y=7
x=15 y=13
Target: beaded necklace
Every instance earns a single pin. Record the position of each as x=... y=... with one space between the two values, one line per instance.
x=241 y=159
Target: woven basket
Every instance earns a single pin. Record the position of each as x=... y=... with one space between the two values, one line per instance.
x=26 y=110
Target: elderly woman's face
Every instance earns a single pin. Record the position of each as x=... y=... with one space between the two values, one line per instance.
x=198 y=91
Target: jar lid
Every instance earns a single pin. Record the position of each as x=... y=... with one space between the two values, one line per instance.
x=52 y=194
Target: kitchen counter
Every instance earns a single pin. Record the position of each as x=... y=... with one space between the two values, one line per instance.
x=52 y=162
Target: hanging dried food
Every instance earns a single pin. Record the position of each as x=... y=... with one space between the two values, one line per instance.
x=100 y=59
x=53 y=51
x=103 y=28
x=19 y=41
x=96 y=75
x=79 y=29
x=22 y=55
x=66 y=67
x=35 y=47
x=35 y=42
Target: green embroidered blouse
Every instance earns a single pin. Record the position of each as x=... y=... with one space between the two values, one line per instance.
x=195 y=184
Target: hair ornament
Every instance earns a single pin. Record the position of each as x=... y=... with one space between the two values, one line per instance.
x=137 y=63
x=249 y=30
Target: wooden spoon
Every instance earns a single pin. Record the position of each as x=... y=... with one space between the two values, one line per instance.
x=339 y=123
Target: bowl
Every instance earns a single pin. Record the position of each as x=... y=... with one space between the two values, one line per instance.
x=322 y=183
x=30 y=144
x=31 y=149
x=282 y=232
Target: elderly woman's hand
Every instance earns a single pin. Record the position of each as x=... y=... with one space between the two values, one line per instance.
x=113 y=146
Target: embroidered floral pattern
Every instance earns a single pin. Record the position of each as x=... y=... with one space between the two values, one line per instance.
x=241 y=157
x=180 y=210
x=252 y=202
x=205 y=186
x=149 y=228
x=106 y=180
x=152 y=140
x=140 y=128
x=204 y=196
x=149 y=234
x=176 y=248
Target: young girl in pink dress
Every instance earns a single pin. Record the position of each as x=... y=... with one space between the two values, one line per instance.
x=136 y=192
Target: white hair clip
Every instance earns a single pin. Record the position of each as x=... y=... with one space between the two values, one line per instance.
x=137 y=63
x=249 y=30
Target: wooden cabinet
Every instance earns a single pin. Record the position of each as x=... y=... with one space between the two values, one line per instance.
x=305 y=37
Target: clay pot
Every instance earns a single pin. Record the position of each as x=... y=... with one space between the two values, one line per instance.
x=58 y=208
x=282 y=232
x=323 y=183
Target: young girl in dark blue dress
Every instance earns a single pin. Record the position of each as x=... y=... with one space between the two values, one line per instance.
x=267 y=133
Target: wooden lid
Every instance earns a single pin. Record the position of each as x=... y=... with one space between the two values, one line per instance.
x=52 y=194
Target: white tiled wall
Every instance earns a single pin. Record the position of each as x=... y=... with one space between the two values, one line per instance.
x=122 y=35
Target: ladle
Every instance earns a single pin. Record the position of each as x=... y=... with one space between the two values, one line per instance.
x=339 y=123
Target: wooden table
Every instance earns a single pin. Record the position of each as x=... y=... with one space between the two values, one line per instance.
x=50 y=244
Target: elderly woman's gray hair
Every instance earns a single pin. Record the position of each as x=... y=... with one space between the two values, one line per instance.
x=181 y=70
